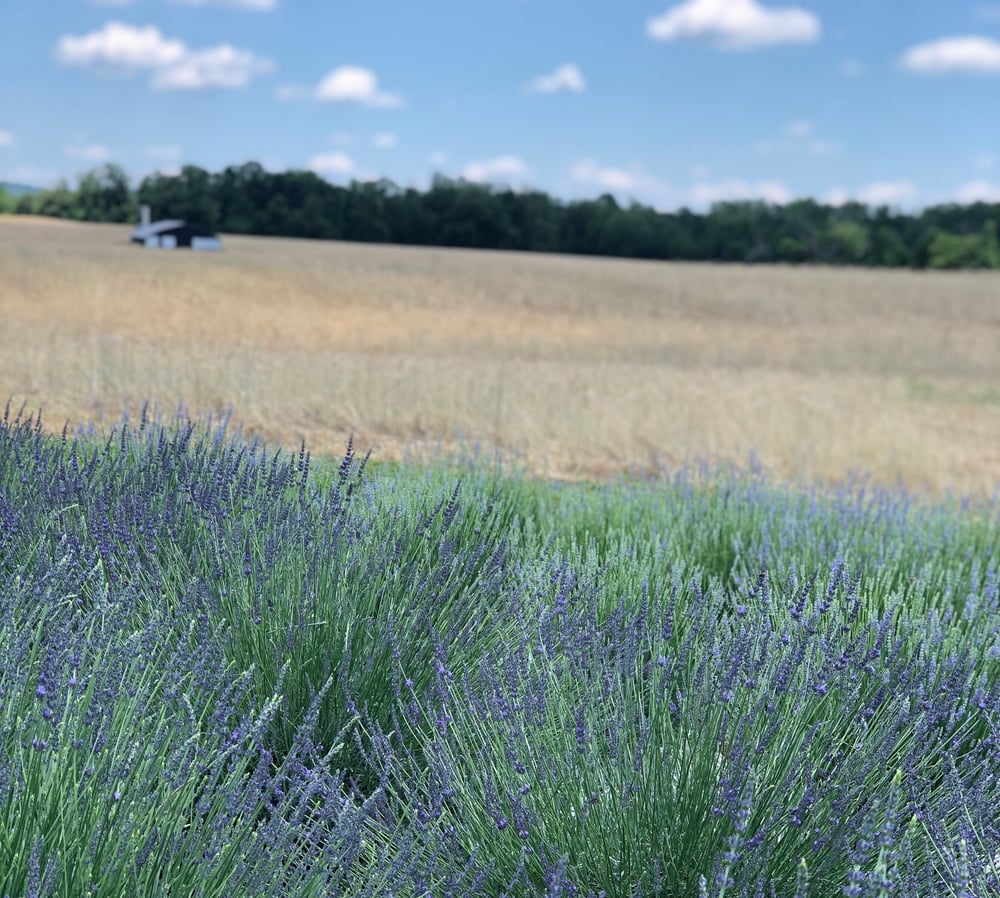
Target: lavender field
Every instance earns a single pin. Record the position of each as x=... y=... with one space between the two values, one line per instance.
x=227 y=670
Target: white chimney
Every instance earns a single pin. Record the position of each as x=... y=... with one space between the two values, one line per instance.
x=144 y=216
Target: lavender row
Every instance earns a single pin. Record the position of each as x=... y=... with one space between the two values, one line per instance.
x=225 y=670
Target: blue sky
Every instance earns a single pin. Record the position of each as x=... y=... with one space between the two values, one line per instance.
x=671 y=103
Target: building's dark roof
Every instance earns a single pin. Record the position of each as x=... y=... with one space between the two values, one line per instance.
x=157 y=228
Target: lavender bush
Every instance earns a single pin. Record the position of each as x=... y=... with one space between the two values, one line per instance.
x=636 y=754
x=305 y=575
x=128 y=768
x=226 y=670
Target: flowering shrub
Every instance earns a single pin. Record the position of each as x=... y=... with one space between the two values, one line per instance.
x=224 y=672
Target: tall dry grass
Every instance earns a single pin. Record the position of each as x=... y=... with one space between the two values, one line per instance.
x=581 y=366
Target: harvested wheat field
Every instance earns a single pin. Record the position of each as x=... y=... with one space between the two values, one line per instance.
x=579 y=367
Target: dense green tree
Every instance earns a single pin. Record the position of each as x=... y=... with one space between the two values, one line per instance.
x=188 y=195
x=584 y=226
x=889 y=249
x=247 y=199
x=991 y=245
x=475 y=219
x=690 y=231
x=105 y=195
x=60 y=202
x=954 y=251
x=242 y=194
x=364 y=213
x=965 y=250
x=800 y=229
x=276 y=215
x=739 y=231
x=533 y=220
x=791 y=249
x=846 y=241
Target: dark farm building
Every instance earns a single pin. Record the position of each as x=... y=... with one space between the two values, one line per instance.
x=173 y=233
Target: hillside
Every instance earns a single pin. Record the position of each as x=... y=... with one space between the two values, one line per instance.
x=579 y=366
x=16 y=189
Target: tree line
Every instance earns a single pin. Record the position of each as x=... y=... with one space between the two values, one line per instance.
x=247 y=199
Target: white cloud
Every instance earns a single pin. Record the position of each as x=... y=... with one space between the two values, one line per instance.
x=566 y=77
x=735 y=24
x=978 y=192
x=353 y=84
x=632 y=179
x=6 y=139
x=255 y=5
x=118 y=46
x=984 y=161
x=837 y=196
x=887 y=193
x=494 y=169
x=439 y=158
x=332 y=164
x=970 y=54
x=798 y=136
x=88 y=153
x=629 y=182
x=222 y=66
x=851 y=68
x=286 y=92
x=384 y=141
x=708 y=192
x=878 y=193
x=800 y=129
x=127 y=48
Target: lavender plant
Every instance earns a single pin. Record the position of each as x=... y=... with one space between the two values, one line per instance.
x=227 y=670
x=314 y=577
x=127 y=768
x=637 y=754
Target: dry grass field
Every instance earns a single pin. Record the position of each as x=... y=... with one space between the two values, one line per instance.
x=581 y=367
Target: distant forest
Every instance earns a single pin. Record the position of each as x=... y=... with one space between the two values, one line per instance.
x=246 y=199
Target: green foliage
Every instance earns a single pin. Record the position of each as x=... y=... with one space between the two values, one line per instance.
x=889 y=250
x=792 y=250
x=991 y=245
x=247 y=199
x=189 y=196
x=848 y=242
x=104 y=195
x=965 y=250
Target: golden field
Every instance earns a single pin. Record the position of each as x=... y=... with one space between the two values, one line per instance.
x=580 y=367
